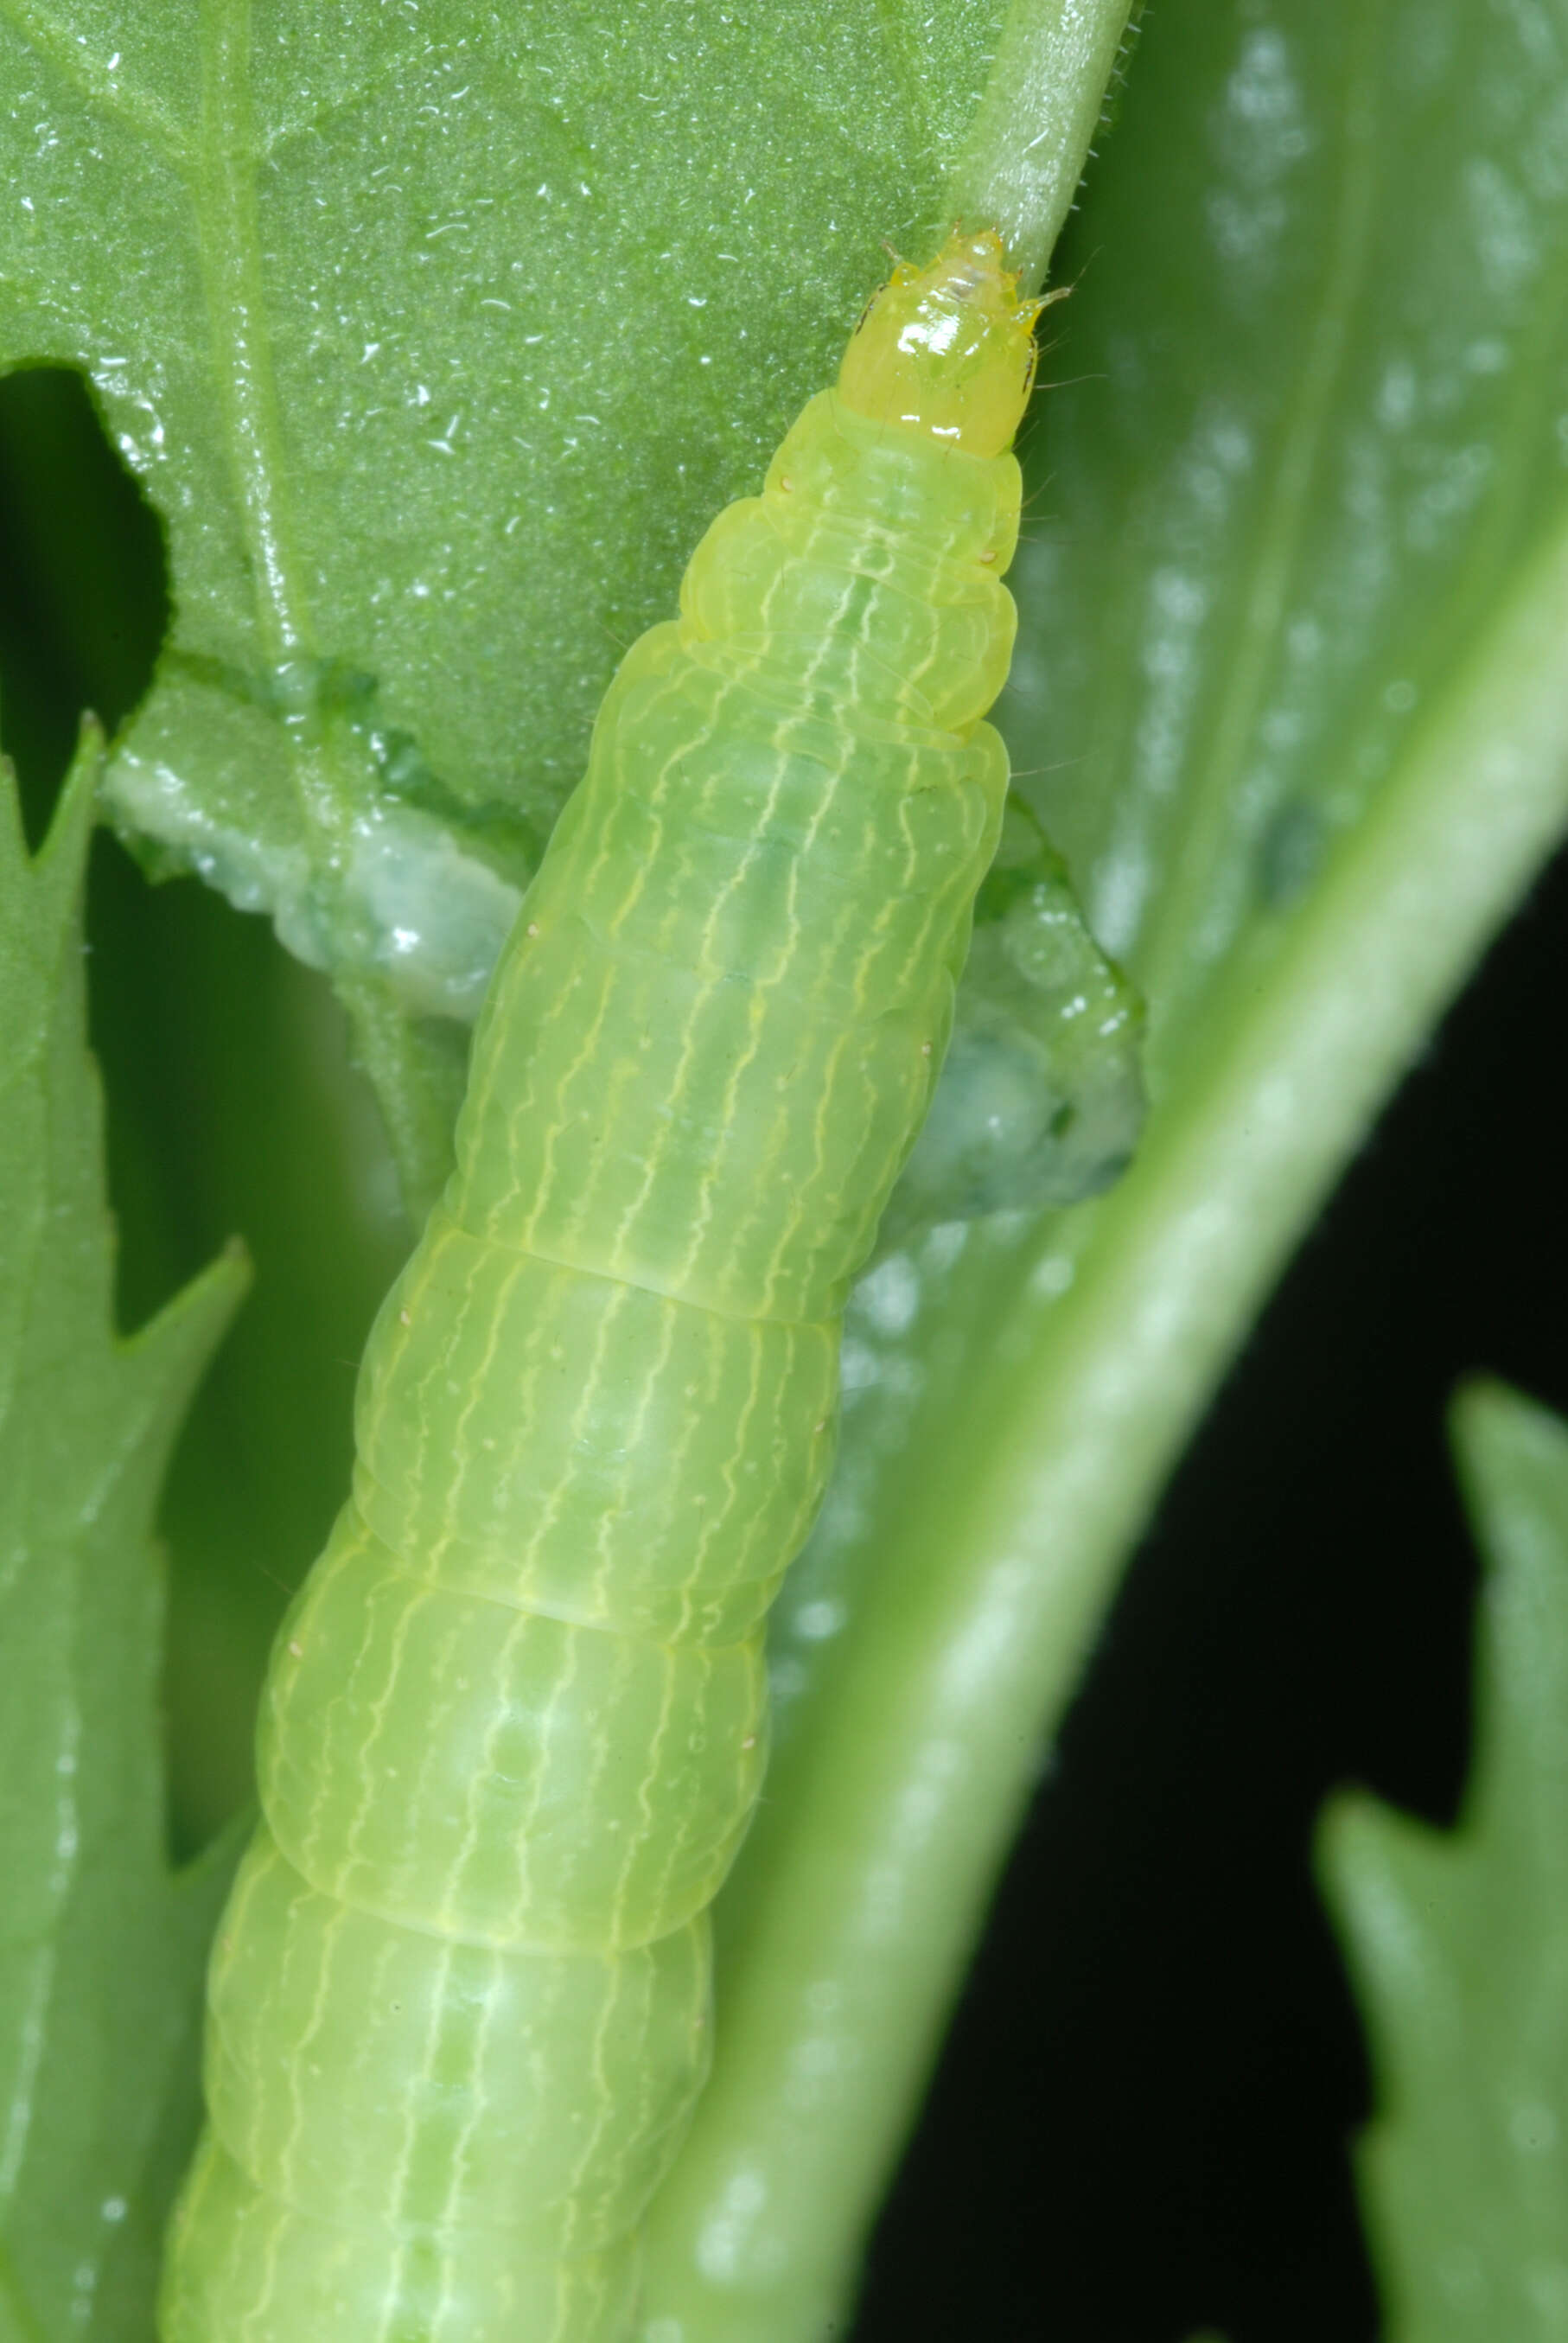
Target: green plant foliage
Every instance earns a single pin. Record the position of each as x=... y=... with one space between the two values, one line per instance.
x=1041 y=1096
x=1293 y=593
x=1312 y=434
x=1458 y=1941
x=436 y=337
x=100 y=1946
x=1288 y=697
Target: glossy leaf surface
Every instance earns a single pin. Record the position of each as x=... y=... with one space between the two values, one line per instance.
x=1288 y=695
x=101 y=1946
x=1458 y=1941
x=1288 y=698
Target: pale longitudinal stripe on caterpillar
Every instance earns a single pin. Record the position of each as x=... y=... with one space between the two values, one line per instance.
x=514 y=1723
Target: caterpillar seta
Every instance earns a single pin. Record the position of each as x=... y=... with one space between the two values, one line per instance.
x=515 y=1722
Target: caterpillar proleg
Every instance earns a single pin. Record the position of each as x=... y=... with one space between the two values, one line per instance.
x=514 y=1724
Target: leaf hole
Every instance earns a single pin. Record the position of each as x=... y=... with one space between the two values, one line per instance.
x=84 y=579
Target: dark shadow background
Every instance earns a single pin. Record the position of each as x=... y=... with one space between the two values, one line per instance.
x=1139 y=2127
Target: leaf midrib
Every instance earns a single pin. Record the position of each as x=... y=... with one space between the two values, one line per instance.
x=224 y=190
x=229 y=240
x=1165 y=959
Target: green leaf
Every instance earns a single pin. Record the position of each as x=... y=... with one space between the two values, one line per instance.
x=438 y=337
x=1288 y=696
x=1314 y=438
x=1317 y=278
x=100 y=1946
x=15 y=2326
x=1040 y=1100
x=1458 y=1941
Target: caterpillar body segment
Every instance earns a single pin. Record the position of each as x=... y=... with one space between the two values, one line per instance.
x=514 y=1723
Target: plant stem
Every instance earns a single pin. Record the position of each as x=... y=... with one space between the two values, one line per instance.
x=1031 y=135
x=875 y=1856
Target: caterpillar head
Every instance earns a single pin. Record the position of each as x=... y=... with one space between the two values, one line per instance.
x=948 y=349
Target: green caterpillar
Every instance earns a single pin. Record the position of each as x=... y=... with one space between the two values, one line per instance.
x=515 y=1722
x=1040 y=1099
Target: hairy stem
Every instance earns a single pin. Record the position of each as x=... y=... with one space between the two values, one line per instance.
x=1031 y=135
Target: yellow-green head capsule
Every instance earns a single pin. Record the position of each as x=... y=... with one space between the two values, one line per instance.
x=515 y=1722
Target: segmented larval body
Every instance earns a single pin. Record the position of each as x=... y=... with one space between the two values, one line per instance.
x=515 y=1722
